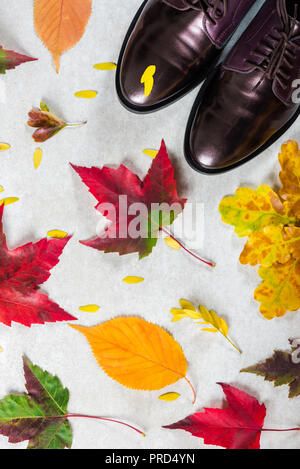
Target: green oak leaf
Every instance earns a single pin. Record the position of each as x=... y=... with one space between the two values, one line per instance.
x=39 y=416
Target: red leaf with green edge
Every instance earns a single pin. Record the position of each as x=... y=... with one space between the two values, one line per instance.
x=158 y=187
x=281 y=369
x=10 y=59
x=22 y=270
x=237 y=427
x=40 y=415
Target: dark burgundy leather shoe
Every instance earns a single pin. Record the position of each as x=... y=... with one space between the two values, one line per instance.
x=252 y=99
x=183 y=39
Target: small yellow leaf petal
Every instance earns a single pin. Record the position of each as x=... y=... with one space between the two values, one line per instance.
x=105 y=66
x=169 y=396
x=57 y=234
x=37 y=157
x=209 y=330
x=90 y=308
x=87 y=94
x=151 y=153
x=185 y=304
x=4 y=146
x=1 y=189
x=147 y=79
x=9 y=200
x=172 y=243
x=132 y=279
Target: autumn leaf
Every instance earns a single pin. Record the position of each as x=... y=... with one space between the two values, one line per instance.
x=40 y=416
x=272 y=225
x=289 y=159
x=60 y=24
x=10 y=59
x=204 y=317
x=158 y=187
x=47 y=125
x=281 y=369
x=237 y=427
x=148 y=79
x=136 y=353
x=22 y=270
x=250 y=211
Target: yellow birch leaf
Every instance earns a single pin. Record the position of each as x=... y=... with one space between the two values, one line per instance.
x=131 y=279
x=86 y=94
x=136 y=353
x=57 y=234
x=151 y=153
x=9 y=200
x=105 y=66
x=172 y=243
x=250 y=211
x=148 y=80
x=90 y=308
x=37 y=157
x=280 y=290
x=289 y=159
x=169 y=396
x=273 y=244
x=4 y=146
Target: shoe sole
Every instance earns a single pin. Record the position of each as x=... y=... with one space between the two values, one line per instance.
x=202 y=169
x=172 y=99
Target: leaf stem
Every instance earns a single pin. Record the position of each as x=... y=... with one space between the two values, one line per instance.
x=233 y=345
x=211 y=264
x=192 y=388
x=75 y=124
x=277 y=430
x=106 y=420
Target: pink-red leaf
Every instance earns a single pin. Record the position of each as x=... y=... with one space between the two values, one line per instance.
x=237 y=427
x=10 y=59
x=158 y=187
x=22 y=270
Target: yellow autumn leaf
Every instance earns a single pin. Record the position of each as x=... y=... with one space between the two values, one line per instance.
x=280 y=290
x=151 y=153
x=204 y=317
x=169 y=396
x=9 y=200
x=251 y=210
x=172 y=243
x=148 y=80
x=37 y=157
x=4 y=146
x=136 y=353
x=132 y=279
x=89 y=308
x=273 y=244
x=57 y=234
x=105 y=66
x=289 y=159
x=86 y=94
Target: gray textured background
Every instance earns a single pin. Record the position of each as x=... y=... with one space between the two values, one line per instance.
x=54 y=197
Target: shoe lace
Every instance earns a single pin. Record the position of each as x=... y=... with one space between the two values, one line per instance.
x=280 y=46
x=219 y=8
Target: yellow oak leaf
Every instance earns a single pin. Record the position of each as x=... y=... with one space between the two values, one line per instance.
x=289 y=159
x=136 y=353
x=251 y=210
x=280 y=290
x=273 y=244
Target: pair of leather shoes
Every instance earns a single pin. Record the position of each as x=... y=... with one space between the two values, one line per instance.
x=248 y=102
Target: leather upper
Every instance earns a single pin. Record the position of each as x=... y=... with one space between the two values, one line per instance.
x=180 y=41
x=249 y=99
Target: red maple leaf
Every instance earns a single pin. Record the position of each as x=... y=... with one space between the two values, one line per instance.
x=158 y=187
x=238 y=427
x=22 y=270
